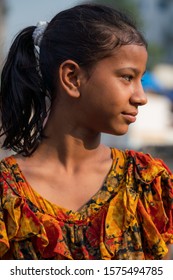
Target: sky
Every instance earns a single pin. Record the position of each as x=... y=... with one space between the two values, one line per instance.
x=22 y=13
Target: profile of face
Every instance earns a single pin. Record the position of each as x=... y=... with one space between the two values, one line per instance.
x=110 y=97
x=91 y=60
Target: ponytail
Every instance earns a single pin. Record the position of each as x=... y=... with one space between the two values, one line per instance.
x=22 y=96
x=85 y=34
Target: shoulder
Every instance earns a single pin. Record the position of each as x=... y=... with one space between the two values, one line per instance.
x=146 y=167
x=10 y=176
x=141 y=165
x=7 y=165
x=141 y=158
x=154 y=181
x=146 y=194
x=7 y=161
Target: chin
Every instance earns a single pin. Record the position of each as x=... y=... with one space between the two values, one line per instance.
x=122 y=130
x=117 y=132
x=120 y=133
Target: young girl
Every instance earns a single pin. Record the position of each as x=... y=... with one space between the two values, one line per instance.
x=64 y=195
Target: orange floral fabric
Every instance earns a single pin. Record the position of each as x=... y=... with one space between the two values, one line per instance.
x=130 y=217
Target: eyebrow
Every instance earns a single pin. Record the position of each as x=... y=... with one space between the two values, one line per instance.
x=136 y=71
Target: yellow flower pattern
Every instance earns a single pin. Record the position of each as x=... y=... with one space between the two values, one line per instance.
x=130 y=217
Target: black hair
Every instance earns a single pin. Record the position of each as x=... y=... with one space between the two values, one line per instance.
x=86 y=34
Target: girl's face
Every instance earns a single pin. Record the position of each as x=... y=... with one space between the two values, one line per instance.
x=111 y=96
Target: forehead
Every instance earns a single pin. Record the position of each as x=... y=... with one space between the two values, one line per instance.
x=132 y=55
x=130 y=50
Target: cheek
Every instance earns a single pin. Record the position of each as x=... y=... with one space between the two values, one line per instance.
x=105 y=92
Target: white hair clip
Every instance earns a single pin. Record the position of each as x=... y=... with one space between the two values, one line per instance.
x=38 y=32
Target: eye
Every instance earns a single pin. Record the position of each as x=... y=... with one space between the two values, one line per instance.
x=128 y=77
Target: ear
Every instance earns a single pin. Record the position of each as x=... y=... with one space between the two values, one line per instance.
x=69 y=76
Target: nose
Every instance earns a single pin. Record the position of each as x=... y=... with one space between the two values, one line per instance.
x=139 y=97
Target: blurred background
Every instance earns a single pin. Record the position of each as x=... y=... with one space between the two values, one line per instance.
x=153 y=130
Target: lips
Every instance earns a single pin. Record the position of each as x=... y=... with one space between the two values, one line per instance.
x=130 y=116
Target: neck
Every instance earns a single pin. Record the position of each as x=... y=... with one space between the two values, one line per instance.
x=71 y=146
x=68 y=140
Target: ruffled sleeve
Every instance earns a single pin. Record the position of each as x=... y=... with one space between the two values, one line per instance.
x=139 y=219
x=27 y=232
x=14 y=212
x=153 y=181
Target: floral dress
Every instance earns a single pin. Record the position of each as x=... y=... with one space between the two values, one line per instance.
x=129 y=218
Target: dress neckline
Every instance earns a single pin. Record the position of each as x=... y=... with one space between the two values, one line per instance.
x=94 y=204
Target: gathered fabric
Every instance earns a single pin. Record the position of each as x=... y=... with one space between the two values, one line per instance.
x=129 y=218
